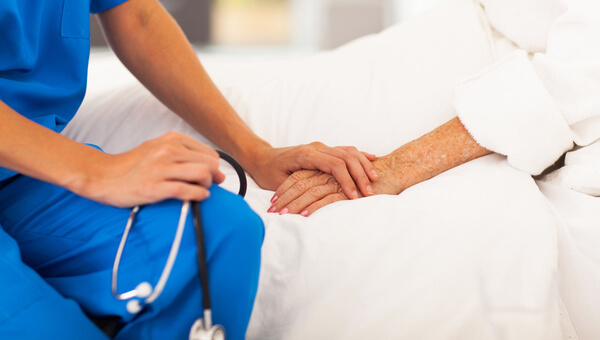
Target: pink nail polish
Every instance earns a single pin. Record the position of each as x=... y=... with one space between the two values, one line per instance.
x=272 y=209
x=284 y=211
x=274 y=198
x=304 y=213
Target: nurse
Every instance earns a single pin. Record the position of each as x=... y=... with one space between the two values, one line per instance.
x=63 y=205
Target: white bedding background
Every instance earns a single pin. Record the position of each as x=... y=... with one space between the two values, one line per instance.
x=475 y=253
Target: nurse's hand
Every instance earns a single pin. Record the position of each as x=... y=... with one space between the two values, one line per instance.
x=351 y=168
x=171 y=166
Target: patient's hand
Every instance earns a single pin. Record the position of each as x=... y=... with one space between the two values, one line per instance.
x=306 y=191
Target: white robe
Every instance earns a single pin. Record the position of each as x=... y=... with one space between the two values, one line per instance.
x=532 y=104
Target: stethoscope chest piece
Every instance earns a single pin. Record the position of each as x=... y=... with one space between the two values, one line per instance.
x=200 y=332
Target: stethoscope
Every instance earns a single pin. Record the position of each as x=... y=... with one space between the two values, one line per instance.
x=144 y=294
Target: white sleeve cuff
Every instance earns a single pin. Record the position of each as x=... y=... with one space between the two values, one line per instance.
x=508 y=110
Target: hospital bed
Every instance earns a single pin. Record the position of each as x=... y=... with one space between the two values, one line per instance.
x=479 y=252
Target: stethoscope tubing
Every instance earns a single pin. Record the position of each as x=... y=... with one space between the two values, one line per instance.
x=238 y=169
x=201 y=255
x=117 y=262
x=152 y=294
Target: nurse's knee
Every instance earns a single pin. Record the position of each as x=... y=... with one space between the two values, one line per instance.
x=236 y=221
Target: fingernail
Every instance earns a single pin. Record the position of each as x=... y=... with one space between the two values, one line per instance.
x=274 y=198
x=370 y=190
x=284 y=211
x=272 y=209
x=374 y=173
x=354 y=194
x=304 y=213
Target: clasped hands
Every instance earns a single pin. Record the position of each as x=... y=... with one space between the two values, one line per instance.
x=306 y=191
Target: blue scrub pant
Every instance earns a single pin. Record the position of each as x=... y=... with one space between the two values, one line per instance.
x=71 y=243
x=31 y=309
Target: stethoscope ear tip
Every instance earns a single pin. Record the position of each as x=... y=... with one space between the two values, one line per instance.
x=134 y=306
x=144 y=289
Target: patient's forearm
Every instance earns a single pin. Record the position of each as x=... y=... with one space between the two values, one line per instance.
x=161 y=57
x=444 y=148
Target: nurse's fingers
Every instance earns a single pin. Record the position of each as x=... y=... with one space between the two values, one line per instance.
x=359 y=166
x=180 y=148
x=182 y=191
x=191 y=169
x=189 y=142
x=192 y=173
x=371 y=157
x=335 y=197
x=174 y=148
x=350 y=167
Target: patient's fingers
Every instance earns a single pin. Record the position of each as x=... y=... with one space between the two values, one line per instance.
x=291 y=180
x=307 y=182
x=335 y=197
x=315 y=197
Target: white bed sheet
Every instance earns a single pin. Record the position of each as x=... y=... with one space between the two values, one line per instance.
x=475 y=253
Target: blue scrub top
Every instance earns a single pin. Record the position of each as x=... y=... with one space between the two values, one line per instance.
x=44 y=53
